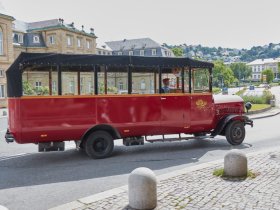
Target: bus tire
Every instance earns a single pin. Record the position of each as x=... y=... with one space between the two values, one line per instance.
x=235 y=132
x=99 y=144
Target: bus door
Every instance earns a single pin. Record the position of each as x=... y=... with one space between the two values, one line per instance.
x=175 y=103
x=175 y=113
x=202 y=103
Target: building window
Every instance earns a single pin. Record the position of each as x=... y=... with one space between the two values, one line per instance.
x=71 y=87
x=69 y=41
x=2 y=91
x=38 y=84
x=1 y=42
x=51 y=39
x=2 y=73
x=90 y=87
x=130 y=53
x=143 y=84
x=154 y=51
x=54 y=87
x=119 y=53
x=142 y=52
x=20 y=38
x=99 y=52
x=79 y=42
x=121 y=85
x=36 y=39
x=82 y=79
x=88 y=44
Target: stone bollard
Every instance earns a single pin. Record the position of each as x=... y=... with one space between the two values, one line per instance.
x=235 y=164
x=3 y=208
x=142 y=189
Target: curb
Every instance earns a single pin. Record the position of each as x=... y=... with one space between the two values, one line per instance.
x=265 y=116
x=82 y=202
x=259 y=111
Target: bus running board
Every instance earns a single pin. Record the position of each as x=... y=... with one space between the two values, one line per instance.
x=163 y=139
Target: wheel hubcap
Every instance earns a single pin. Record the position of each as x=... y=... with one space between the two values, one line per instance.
x=99 y=145
x=237 y=133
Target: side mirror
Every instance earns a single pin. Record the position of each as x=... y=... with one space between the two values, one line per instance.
x=248 y=106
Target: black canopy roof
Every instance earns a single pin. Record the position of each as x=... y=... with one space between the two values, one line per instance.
x=14 y=73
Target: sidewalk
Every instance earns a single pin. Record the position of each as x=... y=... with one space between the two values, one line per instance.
x=196 y=188
x=270 y=113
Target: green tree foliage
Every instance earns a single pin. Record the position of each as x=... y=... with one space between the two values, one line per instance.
x=240 y=70
x=269 y=75
x=29 y=90
x=222 y=75
x=178 y=52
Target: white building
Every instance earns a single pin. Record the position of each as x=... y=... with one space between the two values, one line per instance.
x=261 y=64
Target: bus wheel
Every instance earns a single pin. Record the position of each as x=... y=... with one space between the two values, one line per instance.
x=235 y=132
x=99 y=145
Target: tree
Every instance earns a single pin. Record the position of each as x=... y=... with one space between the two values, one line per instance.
x=269 y=75
x=178 y=52
x=222 y=75
x=240 y=70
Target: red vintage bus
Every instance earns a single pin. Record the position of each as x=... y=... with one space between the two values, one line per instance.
x=94 y=99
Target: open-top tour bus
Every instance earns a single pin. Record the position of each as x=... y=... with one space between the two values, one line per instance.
x=94 y=99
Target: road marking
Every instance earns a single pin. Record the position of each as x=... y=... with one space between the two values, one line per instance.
x=14 y=156
x=3 y=158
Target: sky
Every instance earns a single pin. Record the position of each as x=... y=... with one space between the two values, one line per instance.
x=213 y=23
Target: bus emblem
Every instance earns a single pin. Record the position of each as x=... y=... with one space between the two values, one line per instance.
x=200 y=104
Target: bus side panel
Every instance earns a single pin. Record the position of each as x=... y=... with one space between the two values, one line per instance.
x=56 y=119
x=132 y=116
x=14 y=124
x=202 y=112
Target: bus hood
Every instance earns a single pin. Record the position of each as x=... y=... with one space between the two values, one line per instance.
x=220 y=99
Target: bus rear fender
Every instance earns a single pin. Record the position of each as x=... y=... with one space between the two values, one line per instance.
x=102 y=127
x=222 y=124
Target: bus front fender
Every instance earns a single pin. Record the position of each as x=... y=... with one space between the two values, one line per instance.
x=224 y=122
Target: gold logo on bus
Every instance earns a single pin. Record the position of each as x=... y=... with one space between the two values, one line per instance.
x=200 y=104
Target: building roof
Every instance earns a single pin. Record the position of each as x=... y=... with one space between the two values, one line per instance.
x=47 y=24
x=130 y=44
x=264 y=61
x=103 y=46
x=20 y=26
x=43 y=24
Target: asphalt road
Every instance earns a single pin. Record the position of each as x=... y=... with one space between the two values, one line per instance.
x=31 y=180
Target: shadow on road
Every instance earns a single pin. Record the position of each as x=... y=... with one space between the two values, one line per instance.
x=71 y=165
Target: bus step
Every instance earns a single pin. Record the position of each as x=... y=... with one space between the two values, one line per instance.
x=51 y=146
x=132 y=141
x=163 y=139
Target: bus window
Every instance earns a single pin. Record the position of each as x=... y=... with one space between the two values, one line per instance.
x=38 y=82
x=172 y=82
x=86 y=83
x=144 y=82
x=112 y=80
x=69 y=82
x=201 y=80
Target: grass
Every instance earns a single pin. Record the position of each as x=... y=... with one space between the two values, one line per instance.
x=256 y=107
x=220 y=173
